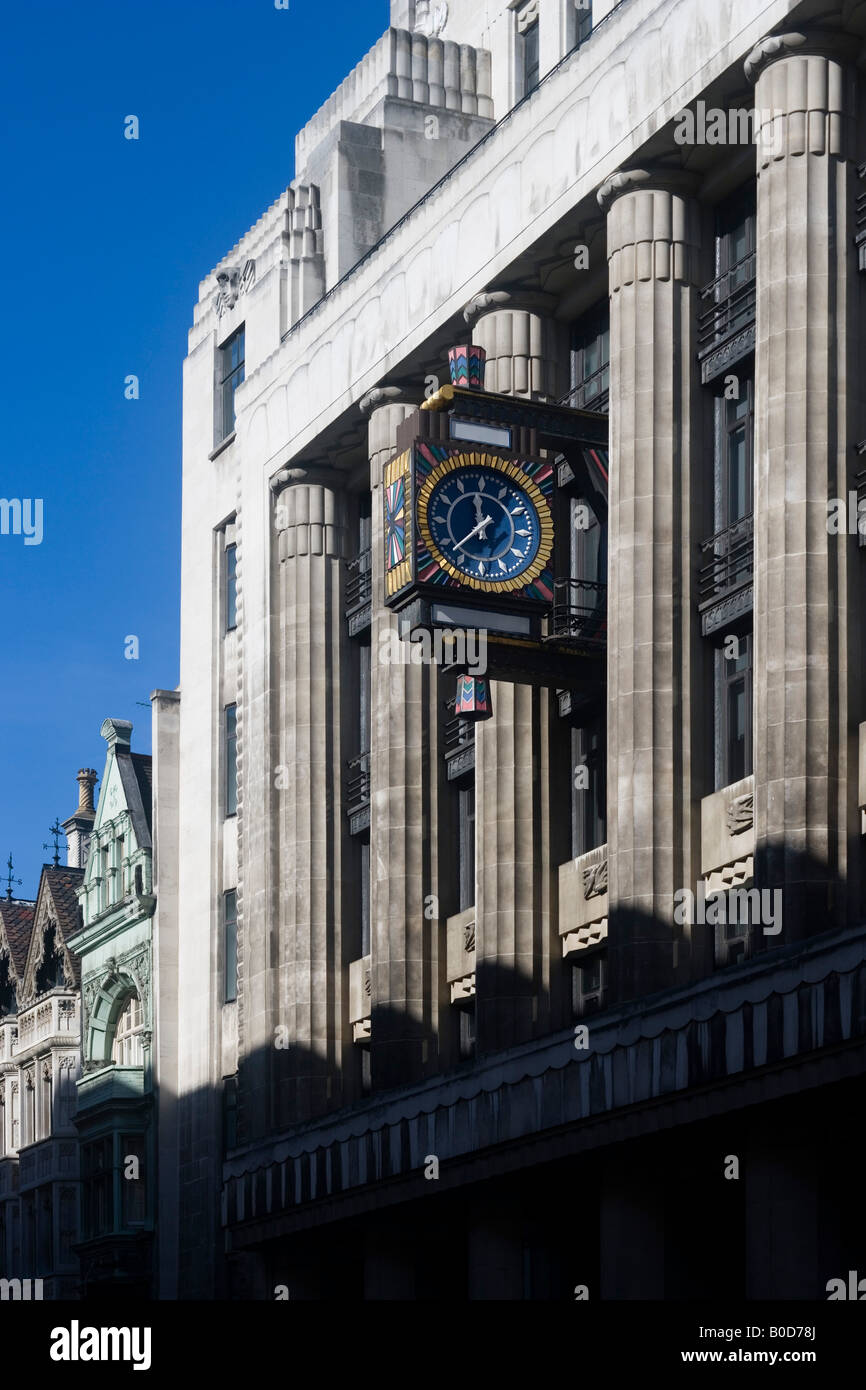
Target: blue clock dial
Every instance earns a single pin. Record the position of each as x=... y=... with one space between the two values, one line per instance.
x=484 y=524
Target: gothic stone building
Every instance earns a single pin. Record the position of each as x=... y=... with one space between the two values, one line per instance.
x=464 y=1012
x=115 y=1116
x=39 y=1064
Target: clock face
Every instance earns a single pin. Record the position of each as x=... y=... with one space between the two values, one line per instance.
x=483 y=522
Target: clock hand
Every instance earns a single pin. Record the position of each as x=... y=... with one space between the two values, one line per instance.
x=481 y=526
x=479 y=503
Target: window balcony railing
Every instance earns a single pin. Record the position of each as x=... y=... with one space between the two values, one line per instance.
x=860 y=221
x=593 y=393
x=725 y=582
x=579 y=613
x=358 y=793
x=458 y=744
x=860 y=482
x=359 y=592
x=726 y=330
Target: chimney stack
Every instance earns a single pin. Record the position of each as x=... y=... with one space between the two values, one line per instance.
x=78 y=827
x=86 y=778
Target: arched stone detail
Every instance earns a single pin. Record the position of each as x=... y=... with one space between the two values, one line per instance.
x=104 y=1001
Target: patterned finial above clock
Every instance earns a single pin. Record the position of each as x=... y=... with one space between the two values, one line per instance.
x=467 y=364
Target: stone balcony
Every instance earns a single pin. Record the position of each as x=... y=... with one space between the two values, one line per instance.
x=8 y=1039
x=49 y=1160
x=111 y=1083
x=53 y=1018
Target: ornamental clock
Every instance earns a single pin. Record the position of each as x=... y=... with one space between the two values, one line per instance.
x=469 y=500
x=469 y=520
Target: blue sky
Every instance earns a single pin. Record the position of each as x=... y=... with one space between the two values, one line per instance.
x=105 y=241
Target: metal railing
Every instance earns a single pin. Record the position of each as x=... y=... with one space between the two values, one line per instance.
x=733 y=560
x=457 y=733
x=358 y=783
x=733 y=297
x=359 y=585
x=579 y=612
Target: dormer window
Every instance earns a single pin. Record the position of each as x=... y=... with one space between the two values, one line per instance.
x=51 y=974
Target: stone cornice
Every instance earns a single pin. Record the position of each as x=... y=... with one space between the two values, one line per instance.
x=799 y=42
x=652 y=178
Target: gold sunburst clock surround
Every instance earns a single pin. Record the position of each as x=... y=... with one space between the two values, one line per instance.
x=485 y=522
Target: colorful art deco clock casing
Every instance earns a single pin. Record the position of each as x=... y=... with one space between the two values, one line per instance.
x=469 y=525
x=465 y=519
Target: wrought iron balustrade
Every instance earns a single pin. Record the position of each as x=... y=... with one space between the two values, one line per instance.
x=733 y=560
x=358 y=792
x=726 y=329
x=359 y=591
x=458 y=743
x=579 y=613
x=725 y=582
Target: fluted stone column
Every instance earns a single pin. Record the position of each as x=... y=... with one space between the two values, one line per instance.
x=309 y=796
x=807 y=378
x=515 y=940
x=653 y=245
x=405 y=970
x=521 y=345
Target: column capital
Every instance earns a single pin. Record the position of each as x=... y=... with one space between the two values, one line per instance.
x=829 y=43
x=530 y=301
x=653 y=178
x=379 y=396
x=312 y=476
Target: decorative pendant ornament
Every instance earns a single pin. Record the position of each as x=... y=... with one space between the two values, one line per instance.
x=472 y=700
x=467 y=364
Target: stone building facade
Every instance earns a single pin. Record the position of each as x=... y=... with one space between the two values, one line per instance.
x=40 y=1026
x=115 y=1113
x=442 y=985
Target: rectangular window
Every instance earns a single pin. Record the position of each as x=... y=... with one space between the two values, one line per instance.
x=231 y=759
x=588 y=785
x=734 y=938
x=736 y=227
x=590 y=984
x=582 y=11
x=530 y=57
x=366 y=1069
x=97 y=1177
x=133 y=1179
x=231 y=554
x=735 y=438
x=466 y=842
x=467 y=1031
x=364 y=689
x=230 y=939
x=365 y=897
x=590 y=362
x=230 y=1113
x=231 y=372
x=733 y=711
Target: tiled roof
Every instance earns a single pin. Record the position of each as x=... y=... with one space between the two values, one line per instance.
x=62 y=883
x=16 y=925
x=143 y=765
